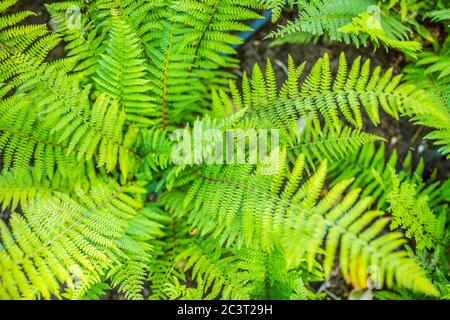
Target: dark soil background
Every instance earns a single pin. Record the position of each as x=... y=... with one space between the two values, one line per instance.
x=401 y=135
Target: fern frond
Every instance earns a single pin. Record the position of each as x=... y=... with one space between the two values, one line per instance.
x=176 y=91
x=436 y=63
x=20 y=186
x=24 y=140
x=59 y=238
x=355 y=23
x=433 y=111
x=60 y=119
x=276 y=6
x=367 y=25
x=96 y=131
x=211 y=39
x=438 y=118
x=324 y=17
x=165 y=265
x=130 y=274
x=430 y=73
x=438 y=15
x=85 y=40
x=219 y=272
x=22 y=50
x=321 y=96
x=209 y=26
x=34 y=40
x=156 y=150
x=301 y=221
x=96 y=292
x=270 y=275
x=411 y=212
x=370 y=167
x=122 y=72
x=329 y=143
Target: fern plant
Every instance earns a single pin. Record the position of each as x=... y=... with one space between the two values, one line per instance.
x=357 y=23
x=96 y=199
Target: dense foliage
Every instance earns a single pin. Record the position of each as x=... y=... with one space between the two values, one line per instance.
x=94 y=199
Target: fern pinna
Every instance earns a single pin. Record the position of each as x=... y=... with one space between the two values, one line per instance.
x=93 y=198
